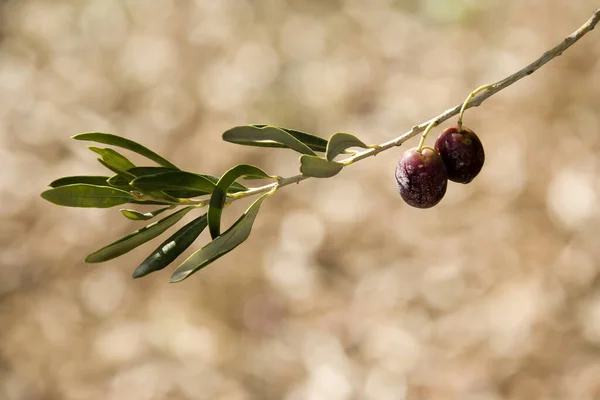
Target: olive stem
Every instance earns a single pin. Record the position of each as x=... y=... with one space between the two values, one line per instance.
x=475 y=99
x=432 y=125
x=469 y=97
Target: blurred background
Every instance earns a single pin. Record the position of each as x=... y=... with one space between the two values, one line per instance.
x=342 y=291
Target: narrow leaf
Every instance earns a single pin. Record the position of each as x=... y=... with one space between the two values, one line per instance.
x=234 y=188
x=113 y=159
x=162 y=197
x=139 y=216
x=120 y=182
x=143 y=171
x=136 y=238
x=175 y=183
x=150 y=202
x=123 y=179
x=175 y=180
x=265 y=136
x=221 y=245
x=86 y=195
x=118 y=141
x=70 y=180
x=318 y=167
x=316 y=143
x=171 y=248
x=125 y=174
x=217 y=200
x=339 y=142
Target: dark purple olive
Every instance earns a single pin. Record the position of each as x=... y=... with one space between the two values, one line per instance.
x=421 y=177
x=462 y=153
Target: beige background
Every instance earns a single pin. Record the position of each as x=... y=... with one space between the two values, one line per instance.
x=342 y=291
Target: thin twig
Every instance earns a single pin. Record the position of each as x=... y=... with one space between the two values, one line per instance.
x=474 y=102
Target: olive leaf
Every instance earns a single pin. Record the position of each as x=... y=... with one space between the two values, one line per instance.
x=136 y=238
x=171 y=248
x=315 y=142
x=217 y=200
x=89 y=179
x=319 y=167
x=86 y=195
x=150 y=202
x=221 y=245
x=182 y=184
x=341 y=141
x=113 y=158
x=123 y=179
x=175 y=180
x=143 y=171
x=235 y=186
x=111 y=167
x=272 y=136
x=118 y=141
x=120 y=182
x=139 y=216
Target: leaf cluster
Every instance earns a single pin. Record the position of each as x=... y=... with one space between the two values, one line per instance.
x=175 y=193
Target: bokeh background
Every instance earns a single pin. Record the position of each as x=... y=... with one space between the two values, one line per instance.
x=342 y=291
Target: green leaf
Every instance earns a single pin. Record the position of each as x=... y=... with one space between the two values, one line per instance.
x=217 y=200
x=234 y=188
x=86 y=195
x=125 y=174
x=339 y=142
x=124 y=182
x=316 y=143
x=163 y=196
x=171 y=248
x=318 y=167
x=118 y=141
x=120 y=182
x=223 y=244
x=265 y=136
x=136 y=238
x=112 y=159
x=176 y=180
x=143 y=171
x=139 y=216
x=182 y=184
x=123 y=179
x=150 y=202
x=173 y=182
x=70 y=180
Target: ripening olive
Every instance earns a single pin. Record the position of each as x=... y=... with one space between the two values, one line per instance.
x=462 y=153
x=421 y=177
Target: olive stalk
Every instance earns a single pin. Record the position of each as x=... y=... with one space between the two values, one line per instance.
x=475 y=98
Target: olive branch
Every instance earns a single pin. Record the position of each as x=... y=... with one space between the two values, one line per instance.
x=169 y=187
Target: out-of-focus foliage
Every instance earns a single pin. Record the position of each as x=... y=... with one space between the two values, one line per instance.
x=342 y=291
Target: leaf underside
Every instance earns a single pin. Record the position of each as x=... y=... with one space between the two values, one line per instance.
x=319 y=167
x=341 y=141
x=272 y=136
